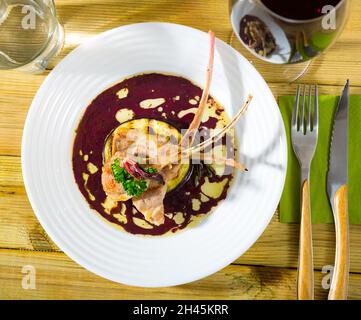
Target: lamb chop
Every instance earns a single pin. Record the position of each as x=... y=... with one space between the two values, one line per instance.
x=151 y=180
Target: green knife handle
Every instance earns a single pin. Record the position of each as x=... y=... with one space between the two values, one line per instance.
x=339 y=283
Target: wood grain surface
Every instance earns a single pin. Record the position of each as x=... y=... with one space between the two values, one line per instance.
x=266 y=271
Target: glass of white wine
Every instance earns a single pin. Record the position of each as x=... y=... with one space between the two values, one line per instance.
x=30 y=34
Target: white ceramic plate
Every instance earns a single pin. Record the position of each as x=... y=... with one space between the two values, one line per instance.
x=83 y=234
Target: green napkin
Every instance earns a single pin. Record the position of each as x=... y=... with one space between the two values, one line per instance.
x=320 y=205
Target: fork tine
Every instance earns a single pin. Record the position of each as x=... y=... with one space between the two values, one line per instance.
x=315 y=111
x=308 y=121
x=295 y=109
x=302 y=122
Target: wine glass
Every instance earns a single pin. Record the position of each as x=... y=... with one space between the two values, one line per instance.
x=30 y=34
x=289 y=34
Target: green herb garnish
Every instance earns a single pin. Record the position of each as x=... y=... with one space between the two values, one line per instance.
x=151 y=170
x=119 y=173
x=132 y=186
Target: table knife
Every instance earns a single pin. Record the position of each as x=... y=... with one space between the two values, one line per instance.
x=337 y=193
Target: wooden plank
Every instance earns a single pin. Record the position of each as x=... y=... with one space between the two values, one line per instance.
x=16 y=94
x=83 y=19
x=57 y=277
x=18 y=224
x=278 y=246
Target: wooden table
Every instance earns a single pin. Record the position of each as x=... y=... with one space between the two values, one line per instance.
x=266 y=271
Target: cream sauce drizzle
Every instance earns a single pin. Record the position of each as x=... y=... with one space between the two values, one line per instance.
x=122 y=93
x=151 y=103
x=124 y=115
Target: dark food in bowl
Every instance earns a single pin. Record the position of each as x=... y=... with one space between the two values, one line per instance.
x=257 y=36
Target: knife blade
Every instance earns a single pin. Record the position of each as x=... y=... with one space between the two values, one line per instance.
x=337 y=179
x=337 y=173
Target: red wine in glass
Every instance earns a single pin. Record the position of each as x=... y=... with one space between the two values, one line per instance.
x=299 y=10
x=288 y=31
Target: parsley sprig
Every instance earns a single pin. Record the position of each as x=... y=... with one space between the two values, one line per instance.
x=151 y=170
x=132 y=186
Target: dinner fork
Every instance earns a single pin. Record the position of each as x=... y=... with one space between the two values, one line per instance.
x=304 y=133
